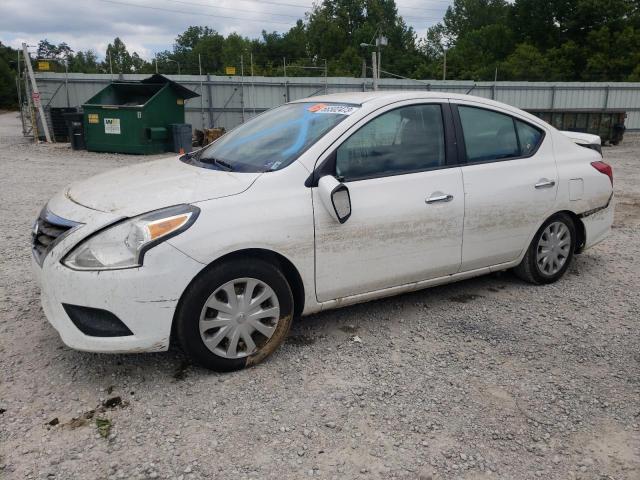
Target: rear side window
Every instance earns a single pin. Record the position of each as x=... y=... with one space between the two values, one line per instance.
x=404 y=140
x=529 y=137
x=490 y=136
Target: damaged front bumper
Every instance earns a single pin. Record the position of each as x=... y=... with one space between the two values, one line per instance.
x=116 y=311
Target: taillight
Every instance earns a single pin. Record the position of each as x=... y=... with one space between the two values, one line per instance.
x=604 y=168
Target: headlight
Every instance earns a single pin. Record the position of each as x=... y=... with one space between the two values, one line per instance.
x=124 y=244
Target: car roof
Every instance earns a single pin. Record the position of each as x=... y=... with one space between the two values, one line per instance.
x=375 y=99
x=360 y=98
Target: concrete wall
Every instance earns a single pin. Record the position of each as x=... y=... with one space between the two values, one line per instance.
x=226 y=101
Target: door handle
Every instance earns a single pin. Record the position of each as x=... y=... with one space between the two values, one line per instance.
x=439 y=199
x=544 y=183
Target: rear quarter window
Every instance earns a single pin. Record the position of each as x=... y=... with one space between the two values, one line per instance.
x=491 y=135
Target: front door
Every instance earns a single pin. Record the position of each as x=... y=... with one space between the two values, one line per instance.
x=407 y=206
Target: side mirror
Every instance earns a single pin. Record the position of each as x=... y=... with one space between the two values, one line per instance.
x=335 y=197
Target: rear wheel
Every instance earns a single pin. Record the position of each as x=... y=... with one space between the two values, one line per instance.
x=235 y=315
x=550 y=252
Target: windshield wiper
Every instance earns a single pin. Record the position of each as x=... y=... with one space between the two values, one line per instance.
x=220 y=163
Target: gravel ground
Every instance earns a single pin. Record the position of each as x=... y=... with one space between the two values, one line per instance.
x=487 y=378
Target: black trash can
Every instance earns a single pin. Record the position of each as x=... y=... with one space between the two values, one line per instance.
x=76 y=134
x=181 y=137
x=75 y=126
x=60 y=123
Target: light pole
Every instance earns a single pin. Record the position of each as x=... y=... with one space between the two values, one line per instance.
x=381 y=41
x=176 y=62
x=444 y=65
x=445 y=44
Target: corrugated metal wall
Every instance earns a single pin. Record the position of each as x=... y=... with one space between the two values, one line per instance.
x=226 y=101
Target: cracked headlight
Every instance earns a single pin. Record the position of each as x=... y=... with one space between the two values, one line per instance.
x=124 y=244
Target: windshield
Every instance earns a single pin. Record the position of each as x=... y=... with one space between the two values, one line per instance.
x=274 y=139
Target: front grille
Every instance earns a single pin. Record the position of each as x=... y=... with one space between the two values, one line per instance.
x=47 y=231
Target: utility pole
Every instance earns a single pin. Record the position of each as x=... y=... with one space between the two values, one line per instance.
x=253 y=85
x=201 y=90
x=326 y=86
x=32 y=113
x=381 y=41
x=444 y=66
x=66 y=78
x=110 y=66
x=286 y=83
x=242 y=84
x=374 y=68
x=156 y=59
x=19 y=85
x=36 y=93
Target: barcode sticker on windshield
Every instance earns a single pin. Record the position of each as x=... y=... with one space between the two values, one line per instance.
x=334 y=109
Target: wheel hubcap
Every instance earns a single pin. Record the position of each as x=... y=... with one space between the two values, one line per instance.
x=554 y=247
x=239 y=318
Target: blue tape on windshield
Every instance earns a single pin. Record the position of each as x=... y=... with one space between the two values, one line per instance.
x=257 y=135
x=302 y=134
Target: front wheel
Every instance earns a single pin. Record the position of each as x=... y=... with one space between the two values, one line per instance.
x=235 y=314
x=550 y=252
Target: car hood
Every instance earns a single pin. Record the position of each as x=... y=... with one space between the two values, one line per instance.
x=148 y=186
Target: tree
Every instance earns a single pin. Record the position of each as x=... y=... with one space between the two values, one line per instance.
x=336 y=28
x=525 y=63
x=8 y=71
x=47 y=49
x=119 y=60
x=84 y=62
x=525 y=39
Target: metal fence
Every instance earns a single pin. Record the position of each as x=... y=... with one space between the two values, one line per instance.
x=228 y=101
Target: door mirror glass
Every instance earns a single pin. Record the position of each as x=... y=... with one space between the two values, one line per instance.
x=335 y=198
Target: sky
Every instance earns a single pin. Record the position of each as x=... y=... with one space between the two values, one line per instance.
x=150 y=26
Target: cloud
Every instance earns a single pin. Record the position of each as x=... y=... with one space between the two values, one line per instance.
x=85 y=24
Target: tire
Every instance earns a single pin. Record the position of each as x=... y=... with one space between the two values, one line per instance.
x=533 y=268
x=210 y=319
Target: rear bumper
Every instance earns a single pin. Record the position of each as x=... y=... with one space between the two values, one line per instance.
x=597 y=225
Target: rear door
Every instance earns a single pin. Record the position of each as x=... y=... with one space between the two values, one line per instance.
x=510 y=182
x=407 y=204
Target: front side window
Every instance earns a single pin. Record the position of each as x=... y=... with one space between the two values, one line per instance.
x=490 y=136
x=274 y=139
x=404 y=140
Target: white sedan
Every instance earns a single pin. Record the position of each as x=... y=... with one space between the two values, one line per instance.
x=313 y=205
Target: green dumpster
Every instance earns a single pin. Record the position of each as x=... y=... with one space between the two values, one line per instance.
x=135 y=117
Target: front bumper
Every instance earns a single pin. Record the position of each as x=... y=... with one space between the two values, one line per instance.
x=144 y=298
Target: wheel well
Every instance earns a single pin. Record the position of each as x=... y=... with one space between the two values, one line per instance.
x=289 y=271
x=580 y=230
